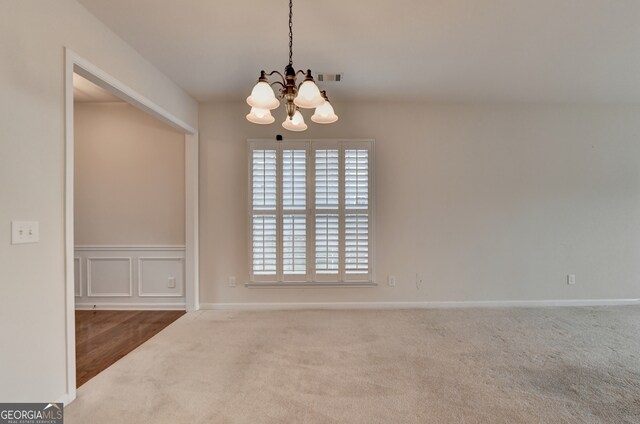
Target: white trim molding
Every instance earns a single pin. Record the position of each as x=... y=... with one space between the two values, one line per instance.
x=310 y=284
x=66 y=399
x=78 y=292
x=417 y=305
x=114 y=306
x=90 y=292
x=154 y=292
x=128 y=248
x=102 y=79
x=192 y=249
x=141 y=261
x=74 y=63
x=70 y=320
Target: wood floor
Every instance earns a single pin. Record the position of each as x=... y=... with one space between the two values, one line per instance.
x=103 y=337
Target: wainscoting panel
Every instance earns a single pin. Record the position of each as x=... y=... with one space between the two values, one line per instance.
x=77 y=274
x=109 y=277
x=160 y=277
x=129 y=277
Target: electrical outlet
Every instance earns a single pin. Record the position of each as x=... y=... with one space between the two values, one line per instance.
x=391 y=281
x=232 y=281
x=571 y=279
x=25 y=232
x=419 y=280
x=172 y=283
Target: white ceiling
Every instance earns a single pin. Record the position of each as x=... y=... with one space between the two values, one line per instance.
x=84 y=91
x=434 y=50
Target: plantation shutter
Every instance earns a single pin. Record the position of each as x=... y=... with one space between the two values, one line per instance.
x=327 y=192
x=264 y=180
x=311 y=217
x=294 y=209
x=356 y=192
x=264 y=244
x=263 y=228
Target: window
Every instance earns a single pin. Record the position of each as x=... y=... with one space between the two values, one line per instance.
x=311 y=212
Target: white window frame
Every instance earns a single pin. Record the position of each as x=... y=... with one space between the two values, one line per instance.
x=311 y=278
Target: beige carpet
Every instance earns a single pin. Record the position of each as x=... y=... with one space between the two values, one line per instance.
x=544 y=365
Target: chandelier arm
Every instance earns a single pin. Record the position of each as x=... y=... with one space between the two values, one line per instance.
x=277 y=82
x=276 y=73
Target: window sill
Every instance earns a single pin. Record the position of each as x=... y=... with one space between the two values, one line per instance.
x=314 y=284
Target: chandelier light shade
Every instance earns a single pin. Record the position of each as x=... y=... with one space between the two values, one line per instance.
x=296 y=123
x=260 y=116
x=324 y=113
x=308 y=94
x=263 y=97
x=305 y=95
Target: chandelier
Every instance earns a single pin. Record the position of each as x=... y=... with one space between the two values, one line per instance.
x=305 y=95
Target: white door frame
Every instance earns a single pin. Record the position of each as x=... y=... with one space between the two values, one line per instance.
x=79 y=65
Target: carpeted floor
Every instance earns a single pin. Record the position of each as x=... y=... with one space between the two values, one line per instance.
x=542 y=365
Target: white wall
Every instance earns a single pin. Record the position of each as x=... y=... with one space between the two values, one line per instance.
x=33 y=34
x=486 y=202
x=129 y=177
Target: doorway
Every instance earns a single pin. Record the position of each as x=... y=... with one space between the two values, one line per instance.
x=128 y=227
x=148 y=265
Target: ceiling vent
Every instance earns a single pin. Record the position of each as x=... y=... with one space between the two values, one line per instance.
x=329 y=77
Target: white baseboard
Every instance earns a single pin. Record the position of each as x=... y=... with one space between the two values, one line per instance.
x=416 y=305
x=131 y=306
x=66 y=399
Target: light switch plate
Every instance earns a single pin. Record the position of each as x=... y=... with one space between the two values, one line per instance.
x=172 y=282
x=25 y=232
x=232 y=281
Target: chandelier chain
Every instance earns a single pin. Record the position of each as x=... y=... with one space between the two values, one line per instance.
x=290 y=32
